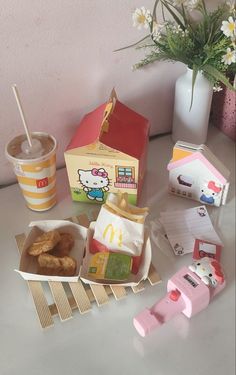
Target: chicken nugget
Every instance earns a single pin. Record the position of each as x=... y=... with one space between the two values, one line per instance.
x=54 y=266
x=44 y=243
x=49 y=265
x=64 y=246
x=69 y=266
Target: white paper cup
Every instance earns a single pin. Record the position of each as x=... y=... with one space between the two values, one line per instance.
x=36 y=176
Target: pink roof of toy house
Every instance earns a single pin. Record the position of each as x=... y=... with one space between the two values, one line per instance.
x=127 y=131
x=218 y=170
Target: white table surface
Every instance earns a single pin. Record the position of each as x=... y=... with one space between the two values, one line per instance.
x=104 y=340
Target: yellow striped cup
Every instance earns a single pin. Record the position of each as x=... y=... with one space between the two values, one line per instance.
x=36 y=177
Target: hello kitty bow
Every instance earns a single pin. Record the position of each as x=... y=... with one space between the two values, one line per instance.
x=99 y=172
x=212 y=186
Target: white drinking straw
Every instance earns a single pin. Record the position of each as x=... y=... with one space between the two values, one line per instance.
x=17 y=97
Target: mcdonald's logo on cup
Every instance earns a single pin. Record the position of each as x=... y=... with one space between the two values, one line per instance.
x=113 y=232
x=42 y=183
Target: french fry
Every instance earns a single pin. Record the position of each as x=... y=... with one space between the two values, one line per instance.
x=126 y=214
x=124 y=209
x=122 y=201
x=139 y=210
x=108 y=208
x=123 y=204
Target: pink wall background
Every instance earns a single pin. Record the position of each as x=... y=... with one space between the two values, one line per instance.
x=60 y=55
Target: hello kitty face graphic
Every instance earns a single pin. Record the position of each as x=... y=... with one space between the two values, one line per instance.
x=208 y=270
x=202 y=211
x=94 y=183
x=210 y=192
x=178 y=249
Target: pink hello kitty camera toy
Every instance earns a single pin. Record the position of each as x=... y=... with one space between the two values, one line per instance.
x=189 y=291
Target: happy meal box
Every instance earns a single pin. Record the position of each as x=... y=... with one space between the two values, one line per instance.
x=108 y=153
x=196 y=173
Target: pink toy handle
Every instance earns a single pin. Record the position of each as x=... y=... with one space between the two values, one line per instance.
x=175 y=304
x=163 y=311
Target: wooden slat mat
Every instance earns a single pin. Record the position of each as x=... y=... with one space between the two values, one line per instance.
x=81 y=296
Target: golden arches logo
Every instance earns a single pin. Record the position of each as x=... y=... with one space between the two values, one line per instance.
x=42 y=183
x=113 y=232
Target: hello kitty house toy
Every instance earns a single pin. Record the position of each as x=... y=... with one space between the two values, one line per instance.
x=196 y=173
x=108 y=153
x=189 y=291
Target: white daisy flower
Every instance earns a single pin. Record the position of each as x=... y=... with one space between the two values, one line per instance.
x=156 y=37
x=229 y=27
x=156 y=49
x=192 y=4
x=178 y=3
x=233 y=43
x=231 y=6
x=229 y=57
x=176 y=29
x=141 y=18
x=217 y=88
x=156 y=31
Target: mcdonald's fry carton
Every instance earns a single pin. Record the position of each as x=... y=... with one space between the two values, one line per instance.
x=119 y=233
x=133 y=278
x=108 y=153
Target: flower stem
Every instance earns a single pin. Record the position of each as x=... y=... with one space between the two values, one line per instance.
x=204 y=7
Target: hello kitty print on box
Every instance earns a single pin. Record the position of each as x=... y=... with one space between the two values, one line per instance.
x=95 y=182
x=108 y=153
x=196 y=173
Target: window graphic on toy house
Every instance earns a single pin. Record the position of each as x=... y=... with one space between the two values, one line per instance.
x=125 y=177
x=183 y=186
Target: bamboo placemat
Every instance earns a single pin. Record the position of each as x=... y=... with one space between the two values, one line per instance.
x=78 y=296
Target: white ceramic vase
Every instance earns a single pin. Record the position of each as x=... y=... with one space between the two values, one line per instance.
x=191 y=125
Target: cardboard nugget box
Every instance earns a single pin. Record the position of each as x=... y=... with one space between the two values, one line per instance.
x=108 y=153
x=28 y=263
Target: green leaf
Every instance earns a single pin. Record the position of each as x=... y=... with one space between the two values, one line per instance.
x=176 y=18
x=184 y=15
x=204 y=7
x=215 y=73
x=194 y=76
x=162 y=12
x=154 y=17
x=210 y=35
x=132 y=45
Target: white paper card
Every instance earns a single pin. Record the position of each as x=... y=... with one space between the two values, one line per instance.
x=183 y=227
